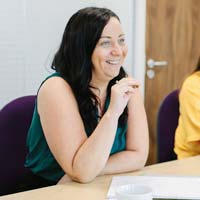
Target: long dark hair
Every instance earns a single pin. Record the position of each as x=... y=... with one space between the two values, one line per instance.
x=198 y=65
x=73 y=60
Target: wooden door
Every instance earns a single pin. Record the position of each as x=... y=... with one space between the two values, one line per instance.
x=172 y=35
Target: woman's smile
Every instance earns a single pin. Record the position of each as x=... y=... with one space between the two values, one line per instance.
x=113 y=61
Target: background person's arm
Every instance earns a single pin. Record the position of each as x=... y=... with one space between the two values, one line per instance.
x=190 y=109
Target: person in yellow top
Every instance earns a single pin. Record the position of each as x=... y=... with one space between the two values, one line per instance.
x=187 y=136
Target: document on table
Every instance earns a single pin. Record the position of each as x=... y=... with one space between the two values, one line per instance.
x=163 y=187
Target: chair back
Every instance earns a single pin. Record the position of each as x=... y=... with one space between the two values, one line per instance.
x=167 y=122
x=15 y=119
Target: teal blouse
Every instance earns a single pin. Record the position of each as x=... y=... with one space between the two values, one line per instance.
x=40 y=159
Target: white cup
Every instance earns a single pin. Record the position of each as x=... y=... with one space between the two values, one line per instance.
x=133 y=192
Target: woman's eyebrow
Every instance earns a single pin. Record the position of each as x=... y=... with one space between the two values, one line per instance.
x=105 y=37
x=121 y=35
x=108 y=37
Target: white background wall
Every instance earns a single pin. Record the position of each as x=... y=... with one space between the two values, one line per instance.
x=31 y=31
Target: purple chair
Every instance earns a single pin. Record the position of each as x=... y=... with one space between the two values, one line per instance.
x=167 y=122
x=15 y=119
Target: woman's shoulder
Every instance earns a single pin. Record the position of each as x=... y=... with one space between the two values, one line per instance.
x=53 y=75
x=191 y=86
x=54 y=84
x=193 y=80
x=56 y=93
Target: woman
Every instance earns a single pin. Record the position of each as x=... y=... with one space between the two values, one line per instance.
x=187 y=138
x=89 y=118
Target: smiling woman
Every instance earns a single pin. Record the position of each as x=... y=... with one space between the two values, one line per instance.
x=84 y=124
x=110 y=51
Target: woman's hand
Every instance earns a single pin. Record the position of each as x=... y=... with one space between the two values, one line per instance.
x=121 y=93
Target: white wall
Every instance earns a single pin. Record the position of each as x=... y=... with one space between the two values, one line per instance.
x=31 y=31
x=12 y=51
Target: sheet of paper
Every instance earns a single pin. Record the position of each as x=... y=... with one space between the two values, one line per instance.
x=164 y=187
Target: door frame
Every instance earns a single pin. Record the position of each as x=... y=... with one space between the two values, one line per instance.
x=139 y=46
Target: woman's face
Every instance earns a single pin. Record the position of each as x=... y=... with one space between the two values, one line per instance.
x=110 y=52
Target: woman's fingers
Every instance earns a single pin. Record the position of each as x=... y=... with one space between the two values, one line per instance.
x=128 y=82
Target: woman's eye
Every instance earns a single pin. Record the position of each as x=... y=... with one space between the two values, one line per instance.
x=121 y=41
x=105 y=43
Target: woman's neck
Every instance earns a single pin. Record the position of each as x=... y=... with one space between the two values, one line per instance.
x=100 y=90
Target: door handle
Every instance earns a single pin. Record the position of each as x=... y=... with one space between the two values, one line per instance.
x=152 y=63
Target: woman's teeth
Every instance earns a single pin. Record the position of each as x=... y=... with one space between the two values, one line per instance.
x=113 y=62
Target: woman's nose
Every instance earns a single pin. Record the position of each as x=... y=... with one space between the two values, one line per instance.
x=116 y=50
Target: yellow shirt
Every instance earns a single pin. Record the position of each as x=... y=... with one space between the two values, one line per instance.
x=187 y=137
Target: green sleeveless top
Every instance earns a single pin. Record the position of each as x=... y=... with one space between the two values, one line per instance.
x=40 y=159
